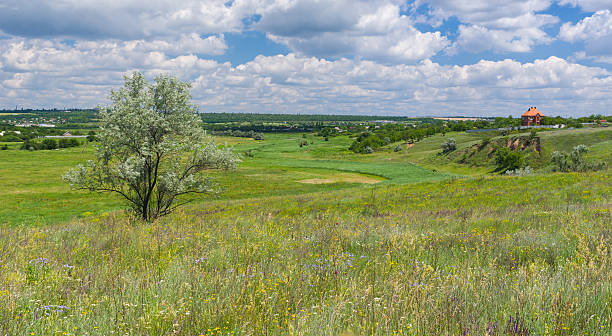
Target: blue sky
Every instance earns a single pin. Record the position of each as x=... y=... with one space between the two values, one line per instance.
x=384 y=57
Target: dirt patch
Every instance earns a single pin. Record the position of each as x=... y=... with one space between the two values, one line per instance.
x=344 y=178
x=317 y=181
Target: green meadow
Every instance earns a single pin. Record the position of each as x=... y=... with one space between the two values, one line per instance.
x=317 y=240
x=34 y=193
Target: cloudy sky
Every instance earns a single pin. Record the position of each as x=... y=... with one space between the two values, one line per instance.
x=384 y=57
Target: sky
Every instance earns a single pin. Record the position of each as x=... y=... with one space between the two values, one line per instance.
x=374 y=57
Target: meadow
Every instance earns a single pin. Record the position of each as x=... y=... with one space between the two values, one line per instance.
x=456 y=251
x=491 y=255
x=33 y=192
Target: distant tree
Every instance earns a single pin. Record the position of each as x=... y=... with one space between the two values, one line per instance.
x=91 y=136
x=151 y=148
x=449 y=145
x=49 y=144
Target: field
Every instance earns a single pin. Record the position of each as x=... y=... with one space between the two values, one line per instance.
x=34 y=193
x=302 y=242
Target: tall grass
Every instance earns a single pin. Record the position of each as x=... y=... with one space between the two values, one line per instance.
x=491 y=256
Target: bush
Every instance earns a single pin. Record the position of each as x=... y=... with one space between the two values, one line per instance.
x=4 y=147
x=368 y=150
x=449 y=146
x=520 y=171
x=574 y=161
x=66 y=143
x=506 y=159
x=397 y=148
x=48 y=144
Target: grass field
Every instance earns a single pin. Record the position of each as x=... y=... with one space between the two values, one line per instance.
x=34 y=194
x=480 y=256
x=315 y=240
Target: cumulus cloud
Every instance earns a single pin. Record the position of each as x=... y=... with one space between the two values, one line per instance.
x=42 y=73
x=125 y=19
x=596 y=32
x=593 y=27
x=588 y=5
x=369 y=29
x=498 y=25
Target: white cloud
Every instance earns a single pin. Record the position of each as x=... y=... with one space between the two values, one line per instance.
x=593 y=27
x=498 y=25
x=42 y=73
x=125 y=19
x=368 y=29
x=588 y=5
x=596 y=33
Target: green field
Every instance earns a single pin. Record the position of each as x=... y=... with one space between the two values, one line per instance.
x=316 y=240
x=34 y=193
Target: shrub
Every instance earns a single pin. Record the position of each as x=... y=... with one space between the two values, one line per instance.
x=574 y=161
x=449 y=146
x=48 y=144
x=66 y=143
x=520 y=171
x=368 y=150
x=397 y=148
x=506 y=159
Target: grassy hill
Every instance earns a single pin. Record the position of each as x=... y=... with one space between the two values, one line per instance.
x=475 y=151
x=492 y=255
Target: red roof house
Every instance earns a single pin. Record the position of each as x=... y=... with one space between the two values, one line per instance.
x=531 y=117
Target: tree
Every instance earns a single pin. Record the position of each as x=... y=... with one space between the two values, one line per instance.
x=449 y=146
x=49 y=144
x=151 y=148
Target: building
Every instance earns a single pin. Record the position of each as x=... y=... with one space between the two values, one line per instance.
x=532 y=117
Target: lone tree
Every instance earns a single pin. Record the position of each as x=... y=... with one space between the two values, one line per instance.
x=151 y=148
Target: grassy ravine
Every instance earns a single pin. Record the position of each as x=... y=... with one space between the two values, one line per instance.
x=481 y=256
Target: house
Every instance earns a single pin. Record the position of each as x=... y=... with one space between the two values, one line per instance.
x=532 y=117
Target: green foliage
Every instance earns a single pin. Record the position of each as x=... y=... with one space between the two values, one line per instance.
x=449 y=146
x=10 y=138
x=48 y=144
x=397 y=148
x=574 y=161
x=69 y=142
x=91 y=136
x=507 y=159
x=151 y=148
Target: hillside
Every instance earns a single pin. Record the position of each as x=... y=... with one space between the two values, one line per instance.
x=475 y=151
